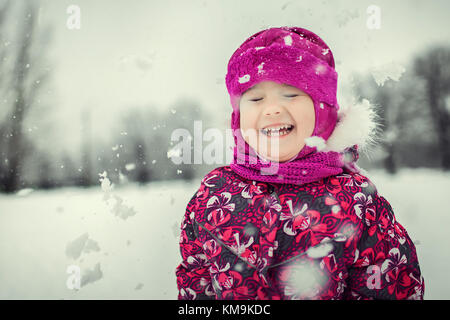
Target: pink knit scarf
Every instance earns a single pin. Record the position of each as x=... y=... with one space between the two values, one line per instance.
x=312 y=167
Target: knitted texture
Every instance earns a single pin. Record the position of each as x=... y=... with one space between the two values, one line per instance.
x=300 y=58
x=311 y=168
x=307 y=170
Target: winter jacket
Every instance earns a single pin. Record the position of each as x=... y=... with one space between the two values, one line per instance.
x=336 y=238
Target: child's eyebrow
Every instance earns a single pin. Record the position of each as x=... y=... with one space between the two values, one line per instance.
x=288 y=86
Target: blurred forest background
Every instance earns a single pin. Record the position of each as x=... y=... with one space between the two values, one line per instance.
x=415 y=110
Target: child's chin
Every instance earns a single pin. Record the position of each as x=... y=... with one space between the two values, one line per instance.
x=280 y=158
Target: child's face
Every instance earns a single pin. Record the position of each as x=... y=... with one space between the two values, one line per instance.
x=269 y=104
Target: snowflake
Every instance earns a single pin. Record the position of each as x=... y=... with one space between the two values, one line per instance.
x=320 y=69
x=260 y=68
x=288 y=40
x=244 y=79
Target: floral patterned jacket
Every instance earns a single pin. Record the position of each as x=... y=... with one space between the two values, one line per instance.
x=336 y=238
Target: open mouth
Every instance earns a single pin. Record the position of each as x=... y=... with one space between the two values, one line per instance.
x=280 y=131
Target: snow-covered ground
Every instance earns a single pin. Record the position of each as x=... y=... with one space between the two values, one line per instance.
x=124 y=241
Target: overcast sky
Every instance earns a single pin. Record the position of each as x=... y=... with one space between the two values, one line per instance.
x=150 y=53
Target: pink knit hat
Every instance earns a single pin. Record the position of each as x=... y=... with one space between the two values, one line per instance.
x=290 y=55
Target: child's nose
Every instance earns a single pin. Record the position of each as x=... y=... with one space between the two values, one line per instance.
x=272 y=109
x=269 y=113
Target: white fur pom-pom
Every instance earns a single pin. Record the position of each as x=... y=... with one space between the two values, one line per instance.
x=316 y=142
x=356 y=125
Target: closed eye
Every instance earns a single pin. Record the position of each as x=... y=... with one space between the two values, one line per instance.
x=287 y=96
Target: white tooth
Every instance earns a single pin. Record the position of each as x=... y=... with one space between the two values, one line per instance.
x=275 y=131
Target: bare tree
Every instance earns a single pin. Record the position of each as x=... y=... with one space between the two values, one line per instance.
x=143 y=173
x=145 y=139
x=404 y=120
x=434 y=68
x=86 y=166
x=4 y=49
x=4 y=9
x=383 y=98
x=182 y=115
x=23 y=85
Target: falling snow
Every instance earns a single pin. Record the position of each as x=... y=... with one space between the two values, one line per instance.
x=244 y=79
x=288 y=40
x=55 y=220
x=321 y=250
x=106 y=185
x=388 y=71
x=260 y=68
x=139 y=286
x=174 y=152
x=91 y=276
x=344 y=17
x=120 y=209
x=82 y=244
x=320 y=69
x=304 y=281
x=116 y=204
x=335 y=209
